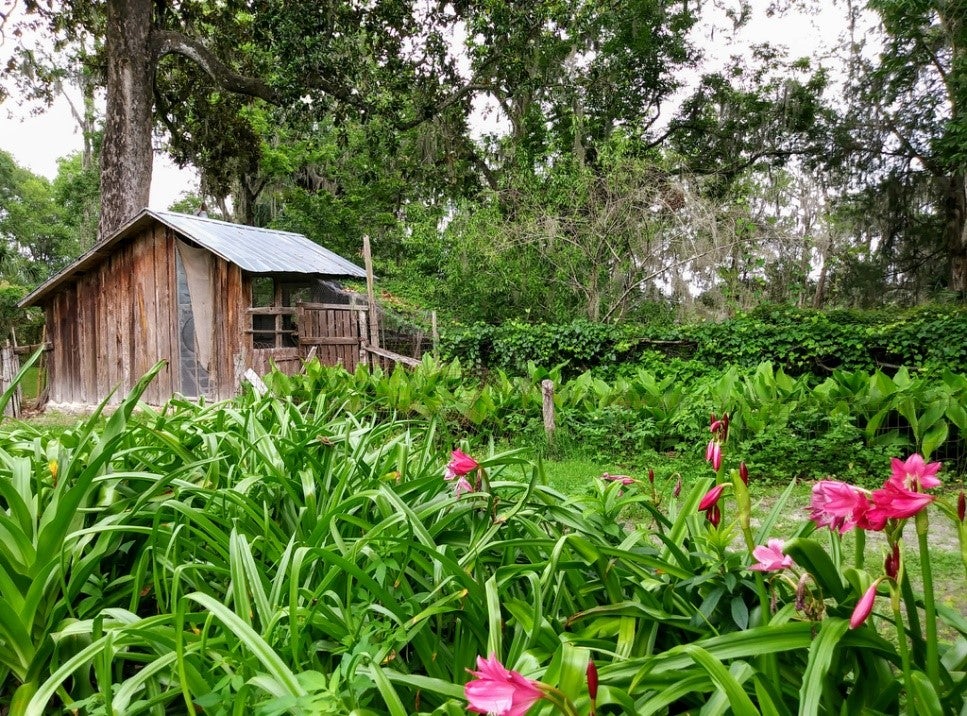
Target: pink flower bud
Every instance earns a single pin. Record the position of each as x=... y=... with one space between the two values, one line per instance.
x=709 y=450
x=714 y=515
x=717 y=457
x=725 y=425
x=744 y=473
x=711 y=498
x=864 y=606
x=678 y=487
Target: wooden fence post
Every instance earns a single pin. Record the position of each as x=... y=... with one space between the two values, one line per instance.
x=547 y=390
x=9 y=367
x=371 y=293
x=436 y=332
x=363 y=329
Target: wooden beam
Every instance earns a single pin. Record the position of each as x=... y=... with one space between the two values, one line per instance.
x=405 y=360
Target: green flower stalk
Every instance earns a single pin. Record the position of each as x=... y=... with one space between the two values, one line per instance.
x=929 y=607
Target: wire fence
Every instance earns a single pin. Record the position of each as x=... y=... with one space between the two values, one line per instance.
x=412 y=334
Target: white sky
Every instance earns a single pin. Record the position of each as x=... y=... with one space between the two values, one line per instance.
x=36 y=142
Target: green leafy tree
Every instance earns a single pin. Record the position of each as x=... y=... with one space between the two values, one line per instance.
x=902 y=146
x=35 y=229
x=196 y=67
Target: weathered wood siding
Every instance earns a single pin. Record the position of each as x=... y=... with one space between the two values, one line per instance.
x=111 y=325
x=228 y=346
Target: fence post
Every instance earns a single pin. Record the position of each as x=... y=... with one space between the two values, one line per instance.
x=9 y=367
x=436 y=332
x=547 y=390
x=363 y=330
x=371 y=293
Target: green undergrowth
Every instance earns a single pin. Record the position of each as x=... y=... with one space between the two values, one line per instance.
x=302 y=552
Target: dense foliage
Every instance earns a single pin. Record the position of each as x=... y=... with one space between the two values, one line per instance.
x=784 y=426
x=800 y=341
x=274 y=556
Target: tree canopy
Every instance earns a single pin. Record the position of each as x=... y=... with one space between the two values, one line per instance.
x=625 y=167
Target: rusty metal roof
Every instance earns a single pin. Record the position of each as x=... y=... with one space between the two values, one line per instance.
x=261 y=251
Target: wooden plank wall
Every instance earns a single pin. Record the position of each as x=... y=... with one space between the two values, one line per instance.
x=231 y=300
x=111 y=325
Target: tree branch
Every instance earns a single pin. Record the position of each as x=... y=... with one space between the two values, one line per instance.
x=168 y=42
x=5 y=15
x=444 y=104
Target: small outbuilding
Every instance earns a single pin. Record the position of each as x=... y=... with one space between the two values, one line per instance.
x=210 y=297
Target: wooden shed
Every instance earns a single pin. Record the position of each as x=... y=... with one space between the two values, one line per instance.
x=210 y=297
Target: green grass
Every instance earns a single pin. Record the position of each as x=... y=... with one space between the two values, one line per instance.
x=29 y=385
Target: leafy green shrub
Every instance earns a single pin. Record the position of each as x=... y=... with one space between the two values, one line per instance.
x=800 y=341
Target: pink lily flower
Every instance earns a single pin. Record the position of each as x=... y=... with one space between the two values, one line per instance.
x=460 y=464
x=896 y=503
x=838 y=506
x=711 y=497
x=462 y=486
x=498 y=690
x=914 y=474
x=771 y=557
x=864 y=606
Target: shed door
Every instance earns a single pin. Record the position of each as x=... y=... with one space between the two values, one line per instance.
x=195 y=319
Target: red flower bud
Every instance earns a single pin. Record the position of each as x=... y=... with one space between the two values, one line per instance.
x=592 y=680
x=961 y=506
x=892 y=564
x=744 y=473
x=651 y=476
x=714 y=515
x=725 y=425
x=678 y=487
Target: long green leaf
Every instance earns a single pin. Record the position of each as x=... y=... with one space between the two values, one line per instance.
x=820 y=657
x=252 y=642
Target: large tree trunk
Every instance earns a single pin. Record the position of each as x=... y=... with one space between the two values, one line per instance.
x=126 y=153
x=955 y=208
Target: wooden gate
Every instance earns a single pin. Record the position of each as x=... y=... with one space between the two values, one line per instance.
x=337 y=332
